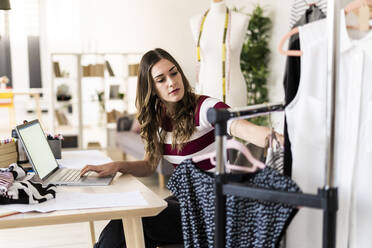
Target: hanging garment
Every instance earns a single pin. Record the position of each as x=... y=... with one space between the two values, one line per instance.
x=23 y=190
x=352 y=153
x=307 y=112
x=353 y=150
x=275 y=158
x=299 y=7
x=249 y=223
x=292 y=76
x=293 y=64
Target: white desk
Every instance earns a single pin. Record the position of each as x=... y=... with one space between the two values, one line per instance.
x=131 y=216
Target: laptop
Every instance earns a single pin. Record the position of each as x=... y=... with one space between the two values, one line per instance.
x=45 y=165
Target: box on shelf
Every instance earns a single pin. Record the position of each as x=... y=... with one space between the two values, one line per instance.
x=70 y=141
x=133 y=69
x=96 y=70
x=56 y=146
x=57 y=69
x=8 y=154
x=94 y=145
x=61 y=118
x=113 y=116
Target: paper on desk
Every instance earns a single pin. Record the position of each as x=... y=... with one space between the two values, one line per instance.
x=75 y=200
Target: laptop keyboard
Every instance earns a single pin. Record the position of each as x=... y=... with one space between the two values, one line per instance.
x=71 y=175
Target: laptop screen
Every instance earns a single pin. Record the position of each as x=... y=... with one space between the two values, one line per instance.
x=37 y=148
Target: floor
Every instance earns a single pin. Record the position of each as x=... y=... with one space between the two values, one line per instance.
x=67 y=235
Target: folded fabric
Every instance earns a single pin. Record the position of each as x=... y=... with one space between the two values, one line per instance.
x=23 y=190
x=8 y=175
x=17 y=171
x=6 y=180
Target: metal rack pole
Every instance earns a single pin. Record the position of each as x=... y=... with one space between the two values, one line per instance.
x=333 y=77
x=330 y=213
x=220 y=136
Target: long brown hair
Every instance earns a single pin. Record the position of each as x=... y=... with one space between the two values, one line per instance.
x=150 y=108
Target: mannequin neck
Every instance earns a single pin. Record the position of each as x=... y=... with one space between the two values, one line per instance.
x=218 y=6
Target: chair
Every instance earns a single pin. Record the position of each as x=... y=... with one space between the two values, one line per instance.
x=7 y=101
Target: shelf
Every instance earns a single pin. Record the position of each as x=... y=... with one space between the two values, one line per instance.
x=115 y=100
x=96 y=77
x=65 y=78
x=86 y=115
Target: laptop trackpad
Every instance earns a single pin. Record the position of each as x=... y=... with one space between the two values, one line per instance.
x=95 y=180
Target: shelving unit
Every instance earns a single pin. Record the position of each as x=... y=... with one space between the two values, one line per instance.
x=86 y=75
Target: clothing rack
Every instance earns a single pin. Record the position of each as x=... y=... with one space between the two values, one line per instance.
x=326 y=198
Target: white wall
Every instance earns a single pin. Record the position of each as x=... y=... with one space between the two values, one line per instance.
x=134 y=26
x=123 y=26
x=137 y=26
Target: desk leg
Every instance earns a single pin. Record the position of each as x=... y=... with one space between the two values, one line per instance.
x=161 y=180
x=133 y=232
x=92 y=232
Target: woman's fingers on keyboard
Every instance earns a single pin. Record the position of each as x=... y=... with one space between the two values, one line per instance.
x=88 y=168
x=102 y=174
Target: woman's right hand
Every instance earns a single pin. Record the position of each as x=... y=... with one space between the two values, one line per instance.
x=103 y=170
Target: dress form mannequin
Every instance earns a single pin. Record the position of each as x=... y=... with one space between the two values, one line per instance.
x=211 y=40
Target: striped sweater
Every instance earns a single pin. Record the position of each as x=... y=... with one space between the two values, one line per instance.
x=299 y=8
x=201 y=141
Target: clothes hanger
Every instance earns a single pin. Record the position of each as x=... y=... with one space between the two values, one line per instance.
x=353 y=6
x=271 y=139
x=233 y=144
x=296 y=53
x=313 y=3
x=361 y=8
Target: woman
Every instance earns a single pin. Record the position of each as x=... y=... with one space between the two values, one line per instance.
x=173 y=126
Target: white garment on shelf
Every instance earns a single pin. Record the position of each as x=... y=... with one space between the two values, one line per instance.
x=353 y=153
x=210 y=75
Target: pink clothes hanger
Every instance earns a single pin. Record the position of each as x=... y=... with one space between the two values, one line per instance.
x=233 y=144
x=295 y=53
x=354 y=5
